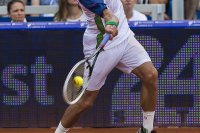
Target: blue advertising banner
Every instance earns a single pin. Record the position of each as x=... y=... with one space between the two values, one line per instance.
x=36 y=57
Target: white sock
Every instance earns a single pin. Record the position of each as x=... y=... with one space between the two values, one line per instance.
x=148 y=119
x=61 y=129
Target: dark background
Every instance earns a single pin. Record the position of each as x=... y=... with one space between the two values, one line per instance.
x=28 y=99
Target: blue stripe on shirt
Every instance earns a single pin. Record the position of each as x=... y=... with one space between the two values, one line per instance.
x=95 y=6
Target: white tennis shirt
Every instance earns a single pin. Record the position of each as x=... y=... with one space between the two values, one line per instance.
x=91 y=32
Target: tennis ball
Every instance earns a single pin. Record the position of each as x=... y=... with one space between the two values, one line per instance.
x=78 y=81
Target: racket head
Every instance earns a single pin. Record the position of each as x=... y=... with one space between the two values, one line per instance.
x=72 y=93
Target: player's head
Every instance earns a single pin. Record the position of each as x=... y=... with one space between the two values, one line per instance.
x=16 y=10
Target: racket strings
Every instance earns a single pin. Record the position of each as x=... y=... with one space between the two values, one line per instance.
x=83 y=68
x=73 y=91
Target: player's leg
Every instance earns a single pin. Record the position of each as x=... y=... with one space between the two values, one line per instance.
x=137 y=61
x=149 y=91
x=74 y=111
x=149 y=78
x=105 y=62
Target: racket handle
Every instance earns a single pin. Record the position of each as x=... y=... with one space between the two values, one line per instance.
x=105 y=40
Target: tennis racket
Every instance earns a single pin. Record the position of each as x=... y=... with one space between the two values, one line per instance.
x=83 y=69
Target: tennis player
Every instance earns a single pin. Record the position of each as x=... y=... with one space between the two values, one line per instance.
x=123 y=51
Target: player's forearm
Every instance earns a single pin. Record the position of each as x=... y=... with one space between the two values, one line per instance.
x=109 y=16
x=111 y=23
x=99 y=8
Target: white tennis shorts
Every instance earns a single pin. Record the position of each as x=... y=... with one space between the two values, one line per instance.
x=126 y=57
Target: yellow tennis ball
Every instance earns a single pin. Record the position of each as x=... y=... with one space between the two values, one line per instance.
x=78 y=81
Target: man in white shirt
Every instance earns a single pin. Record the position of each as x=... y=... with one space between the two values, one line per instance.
x=123 y=52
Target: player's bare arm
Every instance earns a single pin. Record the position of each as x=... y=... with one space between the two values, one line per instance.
x=111 y=23
x=99 y=8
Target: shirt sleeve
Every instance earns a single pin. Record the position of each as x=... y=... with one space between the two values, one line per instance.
x=95 y=6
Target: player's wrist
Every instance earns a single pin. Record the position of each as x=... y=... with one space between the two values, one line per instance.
x=110 y=18
x=111 y=22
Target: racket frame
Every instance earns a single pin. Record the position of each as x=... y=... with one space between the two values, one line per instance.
x=101 y=46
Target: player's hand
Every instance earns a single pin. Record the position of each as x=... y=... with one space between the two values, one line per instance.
x=112 y=30
x=111 y=23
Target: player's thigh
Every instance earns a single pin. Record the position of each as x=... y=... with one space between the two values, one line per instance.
x=105 y=63
x=134 y=56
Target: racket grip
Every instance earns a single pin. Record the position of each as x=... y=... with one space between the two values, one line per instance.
x=105 y=40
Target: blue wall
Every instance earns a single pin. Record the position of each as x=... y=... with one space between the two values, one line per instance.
x=36 y=57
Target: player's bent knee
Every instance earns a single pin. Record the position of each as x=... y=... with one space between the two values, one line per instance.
x=151 y=76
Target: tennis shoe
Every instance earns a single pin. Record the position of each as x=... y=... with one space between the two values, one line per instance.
x=144 y=130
